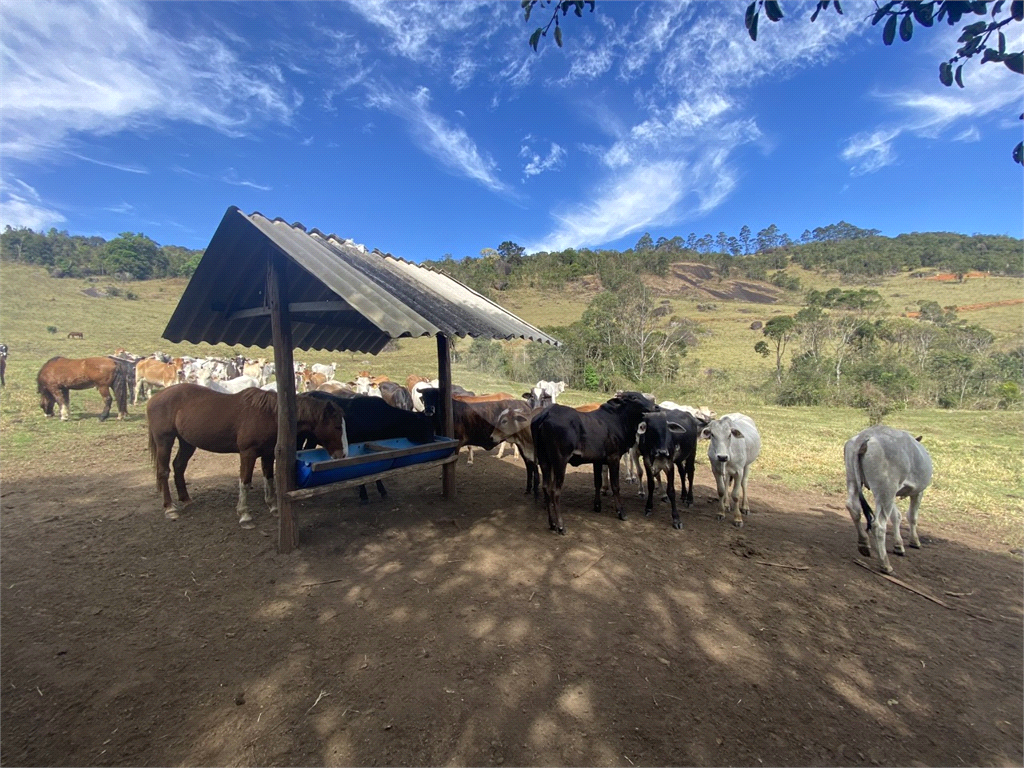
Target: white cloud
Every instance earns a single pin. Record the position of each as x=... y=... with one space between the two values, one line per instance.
x=536 y=164
x=449 y=144
x=644 y=197
x=869 y=152
x=16 y=211
x=970 y=134
x=115 y=166
x=100 y=67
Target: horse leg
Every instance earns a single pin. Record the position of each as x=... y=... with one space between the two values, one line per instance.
x=247 y=463
x=46 y=402
x=181 y=459
x=65 y=404
x=269 y=492
x=162 y=461
x=108 y=400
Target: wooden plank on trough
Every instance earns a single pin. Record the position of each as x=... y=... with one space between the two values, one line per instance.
x=379 y=453
x=320 y=490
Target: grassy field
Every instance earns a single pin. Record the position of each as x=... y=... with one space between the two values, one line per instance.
x=979 y=471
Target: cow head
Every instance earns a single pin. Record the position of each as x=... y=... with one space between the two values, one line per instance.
x=511 y=422
x=722 y=432
x=656 y=437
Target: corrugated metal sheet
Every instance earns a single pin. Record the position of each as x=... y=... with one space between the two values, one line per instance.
x=375 y=296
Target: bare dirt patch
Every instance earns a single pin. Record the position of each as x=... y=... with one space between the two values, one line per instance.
x=699 y=281
x=417 y=631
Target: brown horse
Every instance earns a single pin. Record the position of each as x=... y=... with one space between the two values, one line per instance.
x=244 y=423
x=61 y=374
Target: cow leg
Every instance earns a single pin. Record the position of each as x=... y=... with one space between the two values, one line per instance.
x=894 y=515
x=739 y=488
x=641 y=468
x=686 y=481
x=269 y=492
x=633 y=465
x=108 y=400
x=671 y=472
x=470 y=462
x=915 y=505
x=722 y=485
x=554 y=477
x=853 y=506
x=598 y=478
x=878 y=535
x=613 y=470
x=181 y=459
x=649 y=506
x=247 y=463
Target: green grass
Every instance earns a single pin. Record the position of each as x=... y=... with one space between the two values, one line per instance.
x=978 y=485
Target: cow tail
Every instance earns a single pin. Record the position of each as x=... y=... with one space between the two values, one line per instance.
x=868 y=512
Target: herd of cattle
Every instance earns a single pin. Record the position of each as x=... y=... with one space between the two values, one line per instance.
x=654 y=438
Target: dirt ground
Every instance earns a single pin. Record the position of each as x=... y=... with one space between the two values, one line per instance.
x=419 y=631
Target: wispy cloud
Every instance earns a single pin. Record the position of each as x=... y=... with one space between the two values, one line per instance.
x=872 y=151
x=115 y=166
x=971 y=134
x=97 y=68
x=17 y=212
x=449 y=144
x=536 y=164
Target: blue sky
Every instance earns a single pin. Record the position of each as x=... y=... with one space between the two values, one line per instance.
x=431 y=128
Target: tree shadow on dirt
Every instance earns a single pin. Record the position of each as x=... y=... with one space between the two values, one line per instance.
x=416 y=630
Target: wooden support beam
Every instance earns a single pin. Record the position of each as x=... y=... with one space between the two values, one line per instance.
x=284 y=453
x=444 y=377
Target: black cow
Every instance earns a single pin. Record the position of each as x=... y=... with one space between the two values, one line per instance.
x=667 y=440
x=563 y=435
x=370 y=418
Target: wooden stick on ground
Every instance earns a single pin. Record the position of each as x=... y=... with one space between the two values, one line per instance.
x=783 y=565
x=904 y=584
x=577 y=575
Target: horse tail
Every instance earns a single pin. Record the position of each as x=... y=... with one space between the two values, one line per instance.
x=120 y=385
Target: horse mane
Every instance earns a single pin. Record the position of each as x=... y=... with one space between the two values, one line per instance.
x=307 y=409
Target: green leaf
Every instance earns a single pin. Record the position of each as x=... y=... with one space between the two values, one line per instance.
x=772 y=10
x=528 y=6
x=1017 y=10
x=946 y=74
x=906 y=28
x=889 y=33
x=535 y=38
x=1015 y=62
x=979 y=7
x=753 y=28
x=880 y=13
x=748 y=17
x=558 y=35
x=839 y=8
x=923 y=14
x=957 y=76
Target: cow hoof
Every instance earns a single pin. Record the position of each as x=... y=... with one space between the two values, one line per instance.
x=170 y=514
x=719 y=517
x=622 y=516
x=738 y=523
x=677 y=525
x=915 y=545
x=247 y=525
x=900 y=552
x=647 y=512
x=886 y=569
x=745 y=511
x=865 y=550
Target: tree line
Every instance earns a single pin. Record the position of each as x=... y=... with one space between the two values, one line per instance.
x=129 y=256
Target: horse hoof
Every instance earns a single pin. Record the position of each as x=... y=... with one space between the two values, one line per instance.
x=677 y=525
x=170 y=514
x=865 y=550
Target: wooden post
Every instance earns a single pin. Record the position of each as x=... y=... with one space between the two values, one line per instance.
x=444 y=377
x=284 y=453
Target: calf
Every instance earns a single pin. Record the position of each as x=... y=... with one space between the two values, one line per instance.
x=890 y=463
x=735 y=443
x=154 y=373
x=676 y=432
x=547 y=390
x=563 y=435
x=327 y=370
x=513 y=426
x=473 y=421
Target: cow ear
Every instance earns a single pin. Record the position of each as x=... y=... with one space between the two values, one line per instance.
x=705 y=433
x=641 y=428
x=918 y=438
x=677 y=427
x=737 y=433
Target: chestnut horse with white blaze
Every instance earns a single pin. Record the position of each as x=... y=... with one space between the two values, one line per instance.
x=244 y=423
x=59 y=375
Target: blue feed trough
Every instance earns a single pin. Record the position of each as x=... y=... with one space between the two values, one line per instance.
x=369 y=458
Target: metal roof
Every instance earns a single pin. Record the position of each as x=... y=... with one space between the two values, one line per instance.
x=341 y=296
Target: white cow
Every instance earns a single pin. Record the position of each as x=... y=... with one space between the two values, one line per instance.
x=326 y=370
x=544 y=390
x=702 y=414
x=735 y=444
x=891 y=463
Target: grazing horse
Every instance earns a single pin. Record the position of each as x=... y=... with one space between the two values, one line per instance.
x=61 y=374
x=244 y=423
x=76 y=335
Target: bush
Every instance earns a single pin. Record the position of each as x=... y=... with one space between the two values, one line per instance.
x=51 y=329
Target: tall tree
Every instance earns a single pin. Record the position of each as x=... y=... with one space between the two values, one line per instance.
x=746 y=239
x=780 y=330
